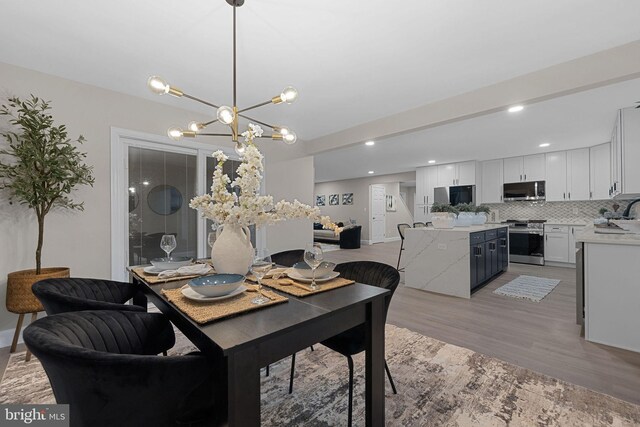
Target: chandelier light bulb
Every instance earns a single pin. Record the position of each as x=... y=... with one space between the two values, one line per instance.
x=194 y=126
x=175 y=133
x=225 y=115
x=289 y=94
x=157 y=85
x=289 y=137
x=240 y=148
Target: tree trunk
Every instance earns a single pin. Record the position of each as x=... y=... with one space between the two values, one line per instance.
x=39 y=248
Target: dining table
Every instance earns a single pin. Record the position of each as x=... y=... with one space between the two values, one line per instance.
x=239 y=346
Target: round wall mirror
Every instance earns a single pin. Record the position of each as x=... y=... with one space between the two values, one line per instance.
x=164 y=199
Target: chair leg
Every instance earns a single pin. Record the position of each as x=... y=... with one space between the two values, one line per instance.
x=164 y=353
x=350 y=360
x=293 y=368
x=267 y=371
x=16 y=334
x=393 y=386
x=311 y=347
x=34 y=316
x=400 y=254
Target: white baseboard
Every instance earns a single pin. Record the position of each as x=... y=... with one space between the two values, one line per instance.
x=391 y=239
x=6 y=336
x=559 y=264
x=365 y=242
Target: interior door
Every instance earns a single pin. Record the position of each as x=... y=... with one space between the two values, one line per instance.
x=377 y=209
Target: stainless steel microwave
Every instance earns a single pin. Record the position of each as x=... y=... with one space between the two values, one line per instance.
x=462 y=194
x=533 y=190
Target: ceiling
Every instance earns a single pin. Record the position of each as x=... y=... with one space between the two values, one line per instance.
x=352 y=62
x=573 y=121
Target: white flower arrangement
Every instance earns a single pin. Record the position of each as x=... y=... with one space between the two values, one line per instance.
x=250 y=208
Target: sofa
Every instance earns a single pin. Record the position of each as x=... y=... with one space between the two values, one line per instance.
x=349 y=238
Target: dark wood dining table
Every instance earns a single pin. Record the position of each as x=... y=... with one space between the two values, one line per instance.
x=241 y=345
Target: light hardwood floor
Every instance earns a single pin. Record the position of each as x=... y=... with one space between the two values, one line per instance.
x=539 y=336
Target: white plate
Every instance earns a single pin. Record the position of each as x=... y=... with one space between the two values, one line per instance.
x=193 y=295
x=295 y=276
x=152 y=270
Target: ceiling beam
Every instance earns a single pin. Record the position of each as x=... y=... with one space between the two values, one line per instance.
x=588 y=72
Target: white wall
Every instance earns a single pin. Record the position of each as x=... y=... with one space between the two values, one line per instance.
x=291 y=179
x=81 y=240
x=360 y=208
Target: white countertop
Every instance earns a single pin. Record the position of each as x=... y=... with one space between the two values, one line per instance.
x=471 y=229
x=588 y=235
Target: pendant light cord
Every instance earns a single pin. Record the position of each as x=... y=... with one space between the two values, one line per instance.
x=234 y=55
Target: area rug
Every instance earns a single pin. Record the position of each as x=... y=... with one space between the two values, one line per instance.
x=528 y=287
x=328 y=247
x=438 y=384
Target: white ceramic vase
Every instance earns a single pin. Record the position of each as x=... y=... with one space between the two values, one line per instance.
x=443 y=219
x=232 y=252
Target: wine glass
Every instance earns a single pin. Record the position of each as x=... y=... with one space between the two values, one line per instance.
x=313 y=256
x=168 y=244
x=259 y=267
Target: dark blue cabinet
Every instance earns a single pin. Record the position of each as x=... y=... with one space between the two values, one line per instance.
x=489 y=255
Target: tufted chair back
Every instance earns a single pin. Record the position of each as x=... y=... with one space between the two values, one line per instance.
x=288 y=258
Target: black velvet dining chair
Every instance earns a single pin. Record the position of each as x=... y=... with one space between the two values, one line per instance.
x=419 y=225
x=104 y=364
x=78 y=294
x=352 y=341
x=288 y=258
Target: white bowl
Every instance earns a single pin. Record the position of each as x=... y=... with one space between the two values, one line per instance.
x=216 y=285
x=172 y=263
x=303 y=269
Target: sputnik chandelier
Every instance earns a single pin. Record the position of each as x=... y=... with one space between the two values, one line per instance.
x=225 y=114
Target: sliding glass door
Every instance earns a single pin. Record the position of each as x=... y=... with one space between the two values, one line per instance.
x=160 y=186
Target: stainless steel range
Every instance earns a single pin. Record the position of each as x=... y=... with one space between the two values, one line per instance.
x=526 y=241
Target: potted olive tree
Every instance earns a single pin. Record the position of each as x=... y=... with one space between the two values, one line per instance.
x=39 y=168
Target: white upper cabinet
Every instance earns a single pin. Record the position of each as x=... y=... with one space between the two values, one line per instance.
x=578 y=174
x=567 y=175
x=492 y=178
x=600 y=171
x=457 y=174
x=512 y=169
x=466 y=173
x=556 y=182
x=533 y=168
x=629 y=153
x=524 y=169
x=446 y=175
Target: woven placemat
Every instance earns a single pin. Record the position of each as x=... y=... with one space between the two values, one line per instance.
x=300 y=289
x=153 y=278
x=205 y=312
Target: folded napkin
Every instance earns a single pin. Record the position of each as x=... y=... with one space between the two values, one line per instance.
x=188 y=270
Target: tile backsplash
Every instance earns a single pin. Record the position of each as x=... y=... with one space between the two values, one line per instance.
x=561 y=211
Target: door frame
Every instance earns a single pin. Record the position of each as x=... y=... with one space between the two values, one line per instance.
x=371 y=240
x=121 y=140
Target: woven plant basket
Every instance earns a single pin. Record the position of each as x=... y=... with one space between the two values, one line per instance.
x=20 y=299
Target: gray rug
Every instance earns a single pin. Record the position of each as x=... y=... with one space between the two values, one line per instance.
x=328 y=247
x=438 y=384
x=528 y=287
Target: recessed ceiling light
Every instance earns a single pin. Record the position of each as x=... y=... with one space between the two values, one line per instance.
x=370 y=143
x=370 y=172
x=431 y=162
x=516 y=108
x=145 y=182
x=544 y=144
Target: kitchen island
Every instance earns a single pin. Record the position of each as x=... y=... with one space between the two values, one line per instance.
x=455 y=261
x=609 y=278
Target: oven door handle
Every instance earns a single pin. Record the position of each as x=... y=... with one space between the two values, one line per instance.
x=537 y=232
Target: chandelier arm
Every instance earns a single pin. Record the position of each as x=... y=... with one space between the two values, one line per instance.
x=262 y=104
x=201 y=101
x=257 y=121
x=213 y=134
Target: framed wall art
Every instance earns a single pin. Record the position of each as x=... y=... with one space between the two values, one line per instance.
x=320 y=200
x=347 y=198
x=334 y=199
x=391 y=203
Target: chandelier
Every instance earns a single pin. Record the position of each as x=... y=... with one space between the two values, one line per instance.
x=226 y=115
